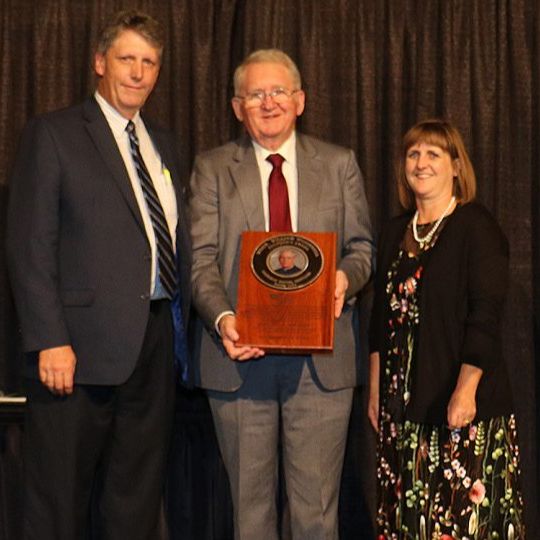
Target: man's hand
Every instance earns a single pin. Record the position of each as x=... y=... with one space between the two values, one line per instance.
x=229 y=336
x=342 y=283
x=57 y=368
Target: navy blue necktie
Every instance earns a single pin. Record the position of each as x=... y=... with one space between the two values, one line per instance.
x=166 y=258
x=165 y=252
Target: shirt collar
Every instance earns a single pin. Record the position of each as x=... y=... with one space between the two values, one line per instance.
x=117 y=122
x=287 y=150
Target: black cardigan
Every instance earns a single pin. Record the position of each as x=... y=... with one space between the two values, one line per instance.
x=462 y=295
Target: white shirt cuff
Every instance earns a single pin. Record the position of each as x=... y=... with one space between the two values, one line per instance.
x=218 y=319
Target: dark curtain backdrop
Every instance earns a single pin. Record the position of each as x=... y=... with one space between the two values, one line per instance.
x=371 y=68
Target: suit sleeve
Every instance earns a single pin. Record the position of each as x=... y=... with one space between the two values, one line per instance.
x=208 y=289
x=487 y=284
x=358 y=251
x=32 y=239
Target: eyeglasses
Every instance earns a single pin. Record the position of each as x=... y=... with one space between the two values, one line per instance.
x=256 y=99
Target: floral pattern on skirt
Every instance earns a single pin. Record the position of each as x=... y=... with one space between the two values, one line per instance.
x=435 y=483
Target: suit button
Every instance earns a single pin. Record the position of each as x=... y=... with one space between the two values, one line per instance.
x=145 y=296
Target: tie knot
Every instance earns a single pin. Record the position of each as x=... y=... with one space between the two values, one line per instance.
x=276 y=160
x=132 y=134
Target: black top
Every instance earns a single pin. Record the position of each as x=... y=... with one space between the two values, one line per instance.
x=461 y=303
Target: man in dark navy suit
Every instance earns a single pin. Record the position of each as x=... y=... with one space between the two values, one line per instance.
x=99 y=260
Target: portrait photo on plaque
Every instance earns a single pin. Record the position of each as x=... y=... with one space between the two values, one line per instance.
x=287 y=261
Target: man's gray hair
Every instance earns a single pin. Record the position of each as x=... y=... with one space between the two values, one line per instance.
x=274 y=56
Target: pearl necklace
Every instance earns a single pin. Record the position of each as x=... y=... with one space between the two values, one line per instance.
x=427 y=239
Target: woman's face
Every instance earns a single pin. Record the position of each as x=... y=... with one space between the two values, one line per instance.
x=430 y=172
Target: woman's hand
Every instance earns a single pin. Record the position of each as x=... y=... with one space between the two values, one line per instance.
x=373 y=402
x=461 y=409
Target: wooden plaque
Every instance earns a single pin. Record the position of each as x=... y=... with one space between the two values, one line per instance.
x=286 y=291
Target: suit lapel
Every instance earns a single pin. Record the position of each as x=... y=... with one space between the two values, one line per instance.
x=246 y=177
x=309 y=168
x=106 y=145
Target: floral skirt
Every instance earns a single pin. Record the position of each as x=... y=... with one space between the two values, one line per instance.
x=441 y=484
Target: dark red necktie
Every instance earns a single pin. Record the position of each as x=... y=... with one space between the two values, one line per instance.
x=278 y=197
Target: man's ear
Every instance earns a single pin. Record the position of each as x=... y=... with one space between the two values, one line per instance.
x=237 y=108
x=300 y=100
x=99 y=64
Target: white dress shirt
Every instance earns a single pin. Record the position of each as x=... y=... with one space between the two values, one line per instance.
x=159 y=174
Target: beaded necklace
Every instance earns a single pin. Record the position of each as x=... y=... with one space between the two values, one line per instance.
x=424 y=241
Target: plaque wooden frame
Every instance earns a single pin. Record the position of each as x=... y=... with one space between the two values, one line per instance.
x=287 y=314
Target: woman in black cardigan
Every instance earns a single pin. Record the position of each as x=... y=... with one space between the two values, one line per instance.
x=448 y=461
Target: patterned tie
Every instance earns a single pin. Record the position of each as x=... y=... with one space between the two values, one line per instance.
x=278 y=197
x=165 y=252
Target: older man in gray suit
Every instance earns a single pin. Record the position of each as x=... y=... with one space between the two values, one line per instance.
x=256 y=398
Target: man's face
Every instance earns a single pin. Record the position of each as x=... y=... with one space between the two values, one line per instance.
x=286 y=260
x=268 y=123
x=129 y=71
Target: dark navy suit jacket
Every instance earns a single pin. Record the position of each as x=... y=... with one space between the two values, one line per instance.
x=78 y=253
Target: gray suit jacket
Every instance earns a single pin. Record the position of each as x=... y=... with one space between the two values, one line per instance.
x=227 y=200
